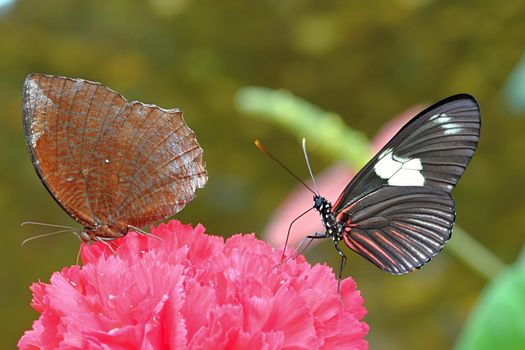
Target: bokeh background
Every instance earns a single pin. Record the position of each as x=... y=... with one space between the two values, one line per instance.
x=366 y=61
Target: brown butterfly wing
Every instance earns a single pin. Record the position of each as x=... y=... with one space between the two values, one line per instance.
x=107 y=161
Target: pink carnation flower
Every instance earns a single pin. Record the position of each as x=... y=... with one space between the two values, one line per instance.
x=194 y=291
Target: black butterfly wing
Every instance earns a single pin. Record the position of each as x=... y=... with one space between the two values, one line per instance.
x=431 y=150
x=398 y=212
x=397 y=228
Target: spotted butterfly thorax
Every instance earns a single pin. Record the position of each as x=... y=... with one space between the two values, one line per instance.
x=112 y=165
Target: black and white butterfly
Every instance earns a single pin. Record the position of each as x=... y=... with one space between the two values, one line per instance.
x=398 y=212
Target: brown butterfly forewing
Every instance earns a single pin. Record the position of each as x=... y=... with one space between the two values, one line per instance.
x=110 y=164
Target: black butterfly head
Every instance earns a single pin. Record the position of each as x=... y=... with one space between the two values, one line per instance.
x=319 y=202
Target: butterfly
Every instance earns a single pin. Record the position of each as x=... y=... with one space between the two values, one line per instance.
x=398 y=211
x=112 y=165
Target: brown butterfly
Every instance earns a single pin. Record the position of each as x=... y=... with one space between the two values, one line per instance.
x=112 y=165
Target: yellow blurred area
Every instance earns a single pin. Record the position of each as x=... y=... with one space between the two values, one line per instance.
x=366 y=61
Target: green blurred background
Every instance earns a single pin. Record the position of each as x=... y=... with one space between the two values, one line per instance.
x=367 y=61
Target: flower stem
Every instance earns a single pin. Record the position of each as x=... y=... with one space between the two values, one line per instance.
x=474 y=254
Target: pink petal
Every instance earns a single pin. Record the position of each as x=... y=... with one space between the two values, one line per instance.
x=196 y=291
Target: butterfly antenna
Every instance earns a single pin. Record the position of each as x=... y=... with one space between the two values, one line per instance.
x=45 y=235
x=44 y=224
x=308 y=165
x=265 y=151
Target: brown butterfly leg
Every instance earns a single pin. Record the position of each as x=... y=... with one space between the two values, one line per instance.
x=144 y=233
x=104 y=241
x=108 y=243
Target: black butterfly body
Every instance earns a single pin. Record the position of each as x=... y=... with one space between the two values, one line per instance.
x=398 y=211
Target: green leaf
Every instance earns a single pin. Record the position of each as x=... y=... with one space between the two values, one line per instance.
x=515 y=88
x=498 y=322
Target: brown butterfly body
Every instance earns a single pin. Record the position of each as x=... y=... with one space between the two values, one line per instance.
x=112 y=165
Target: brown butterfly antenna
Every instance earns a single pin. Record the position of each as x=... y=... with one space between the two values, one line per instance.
x=63 y=229
x=44 y=224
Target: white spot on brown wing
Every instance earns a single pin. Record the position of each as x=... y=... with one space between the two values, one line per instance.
x=78 y=84
x=36 y=93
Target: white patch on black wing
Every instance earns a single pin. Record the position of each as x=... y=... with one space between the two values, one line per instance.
x=399 y=171
x=444 y=121
x=441 y=138
x=440 y=118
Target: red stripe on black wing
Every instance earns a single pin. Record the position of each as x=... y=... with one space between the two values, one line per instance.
x=399 y=229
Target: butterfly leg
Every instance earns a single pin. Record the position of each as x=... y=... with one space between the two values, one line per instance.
x=299 y=249
x=289 y=230
x=105 y=242
x=144 y=233
x=341 y=267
